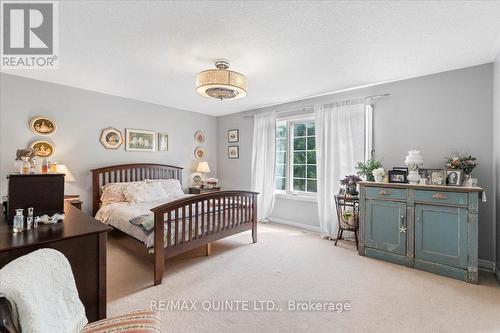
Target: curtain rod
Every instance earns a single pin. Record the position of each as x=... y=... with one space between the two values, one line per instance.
x=312 y=107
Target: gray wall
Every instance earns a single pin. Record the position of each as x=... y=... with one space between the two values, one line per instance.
x=80 y=116
x=437 y=114
x=497 y=157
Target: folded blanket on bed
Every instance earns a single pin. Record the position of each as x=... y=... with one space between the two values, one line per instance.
x=146 y=222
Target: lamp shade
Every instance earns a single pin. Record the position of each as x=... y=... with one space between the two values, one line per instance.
x=68 y=176
x=203 y=167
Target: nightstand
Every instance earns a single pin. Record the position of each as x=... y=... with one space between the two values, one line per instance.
x=74 y=200
x=199 y=190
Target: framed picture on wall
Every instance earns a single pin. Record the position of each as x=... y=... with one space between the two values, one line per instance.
x=233 y=135
x=233 y=152
x=140 y=140
x=162 y=142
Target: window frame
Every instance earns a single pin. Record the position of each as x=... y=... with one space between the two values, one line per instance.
x=289 y=192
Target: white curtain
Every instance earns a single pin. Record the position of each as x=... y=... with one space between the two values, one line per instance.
x=263 y=162
x=340 y=145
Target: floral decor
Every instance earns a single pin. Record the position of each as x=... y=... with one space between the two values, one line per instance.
x=378 y=174
x=366 y=169
x=461 y=162
x=349 y=180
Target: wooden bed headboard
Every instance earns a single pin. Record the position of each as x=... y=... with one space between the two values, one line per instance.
x=125 y=173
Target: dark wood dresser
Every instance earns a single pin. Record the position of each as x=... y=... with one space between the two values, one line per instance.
x=82 y=239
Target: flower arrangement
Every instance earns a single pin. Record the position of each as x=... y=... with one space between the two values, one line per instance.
x=366 y=169
x=461 y=162
x=349 y=180
x=378 y=174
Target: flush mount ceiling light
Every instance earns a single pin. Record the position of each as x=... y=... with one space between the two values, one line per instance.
x=221 y=83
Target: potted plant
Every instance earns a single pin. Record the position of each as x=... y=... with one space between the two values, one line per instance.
x=350 y=182
x=366 y=169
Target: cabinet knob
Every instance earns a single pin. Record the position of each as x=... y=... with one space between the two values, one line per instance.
x=440 y=196
x=384 y=192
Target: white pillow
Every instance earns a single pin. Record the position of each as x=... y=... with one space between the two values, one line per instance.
x=145 y=192
x=172 y=187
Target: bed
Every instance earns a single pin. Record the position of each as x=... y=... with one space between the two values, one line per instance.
x=176 y=225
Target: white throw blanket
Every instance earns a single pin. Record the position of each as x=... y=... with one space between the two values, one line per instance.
x=41 y=287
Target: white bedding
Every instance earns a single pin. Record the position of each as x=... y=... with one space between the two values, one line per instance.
x=119 y=214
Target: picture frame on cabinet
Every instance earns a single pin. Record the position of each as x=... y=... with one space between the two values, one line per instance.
x=398 y=176
x=454 y=177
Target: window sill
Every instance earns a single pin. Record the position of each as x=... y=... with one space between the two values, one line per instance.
x=296 y=197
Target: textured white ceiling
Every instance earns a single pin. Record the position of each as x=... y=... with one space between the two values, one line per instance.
x=152 y=50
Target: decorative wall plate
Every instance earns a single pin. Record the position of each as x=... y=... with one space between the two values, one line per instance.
x=111 y=138
x=42 y=125
x=200 y=137
x=43 y=149
x=199 y=153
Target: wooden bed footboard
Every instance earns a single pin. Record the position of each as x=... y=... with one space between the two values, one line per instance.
x=198 y=220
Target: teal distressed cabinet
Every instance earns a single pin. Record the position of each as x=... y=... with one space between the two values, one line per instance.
x=431 y=228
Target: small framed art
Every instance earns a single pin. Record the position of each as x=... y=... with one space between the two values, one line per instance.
x=454 y=177
x=233 y=152
x=162 y=142
x=233 y=135
x=140 y=140
x=397 y=176
x=436 y=176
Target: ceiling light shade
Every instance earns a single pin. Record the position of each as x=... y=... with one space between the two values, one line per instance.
x=221 y=83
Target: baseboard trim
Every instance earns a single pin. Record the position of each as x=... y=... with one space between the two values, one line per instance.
x=293 y=224
x=486 y=265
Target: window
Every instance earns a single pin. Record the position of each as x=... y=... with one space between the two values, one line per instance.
x=296 y=157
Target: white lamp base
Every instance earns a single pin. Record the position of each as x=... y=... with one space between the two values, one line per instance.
x=413 y=177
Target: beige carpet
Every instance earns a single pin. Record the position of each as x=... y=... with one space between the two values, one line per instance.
x=292 y=264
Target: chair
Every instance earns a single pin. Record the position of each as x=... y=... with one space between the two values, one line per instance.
x=10 y=321
x=347 y=215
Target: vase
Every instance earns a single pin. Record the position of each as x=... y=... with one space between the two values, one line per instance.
x=378 y=178
x=351 y=189
x=468 y=182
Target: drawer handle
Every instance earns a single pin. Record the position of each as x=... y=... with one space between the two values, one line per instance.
x=383 y=192
x=440 y=196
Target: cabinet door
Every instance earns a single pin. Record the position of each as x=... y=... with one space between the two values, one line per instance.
x=385 y=226
x=441 y=234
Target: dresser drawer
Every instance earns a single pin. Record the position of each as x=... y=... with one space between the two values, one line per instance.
x=385 y=193
x=441 y=197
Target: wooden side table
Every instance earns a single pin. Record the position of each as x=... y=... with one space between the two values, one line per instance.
x=348 y=215
x=78 y=231
x=74 y=199
x=201 y=190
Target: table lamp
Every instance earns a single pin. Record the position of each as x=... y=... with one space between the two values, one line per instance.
x=68 y=176
x=203 y=168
